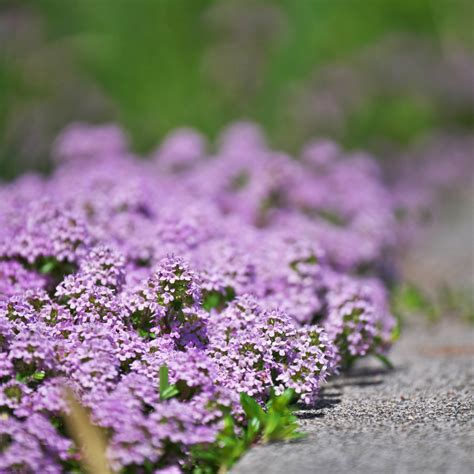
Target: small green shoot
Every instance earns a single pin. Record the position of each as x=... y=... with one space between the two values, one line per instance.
x=275 y=422
x=167 y=391
x=215 y=299
x=48 y=267
x=38 y=375
x=385 y=361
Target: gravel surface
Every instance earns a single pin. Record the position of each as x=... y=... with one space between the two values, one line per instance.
x=417 y=418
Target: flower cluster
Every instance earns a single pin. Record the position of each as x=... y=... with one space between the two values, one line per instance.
x=256 y=349
x=243 y=271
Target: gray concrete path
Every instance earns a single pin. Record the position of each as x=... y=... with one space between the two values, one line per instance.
x=415 y=419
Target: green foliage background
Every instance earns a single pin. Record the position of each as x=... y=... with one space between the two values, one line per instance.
x=149 y=59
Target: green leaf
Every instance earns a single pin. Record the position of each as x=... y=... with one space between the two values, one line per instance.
x=38 y=375
x=251 y=407
x=253 y=430
x=48 y=266
x=397 y=330
x=167 y=391
x=215 y=299
x=275 y=422
x=211 y=300
x=385 y=361
x=229 y=425
x=164 y=378
x=281 y=402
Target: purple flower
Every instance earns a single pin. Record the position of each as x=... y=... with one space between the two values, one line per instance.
x=237 y=272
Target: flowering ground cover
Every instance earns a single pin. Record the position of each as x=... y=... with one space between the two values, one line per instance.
x=186 y=300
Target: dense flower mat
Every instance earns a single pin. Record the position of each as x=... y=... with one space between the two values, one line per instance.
x=241 y=270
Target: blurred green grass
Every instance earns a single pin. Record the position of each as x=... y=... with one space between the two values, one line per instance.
x=160 y=64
